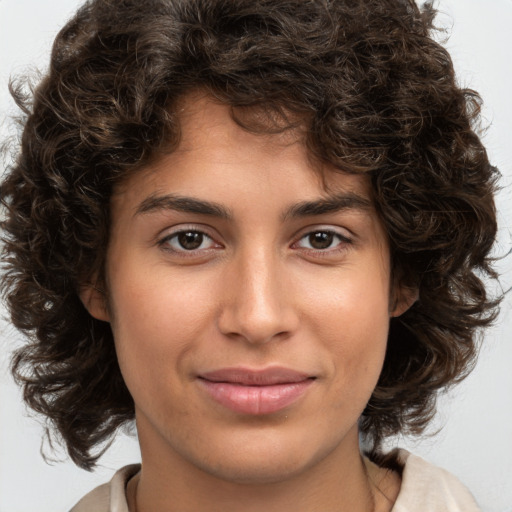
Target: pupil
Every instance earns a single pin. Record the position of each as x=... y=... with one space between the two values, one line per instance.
x=190 y=240
x=321 y=240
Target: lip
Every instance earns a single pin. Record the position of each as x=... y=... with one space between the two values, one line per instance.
x=255 y=392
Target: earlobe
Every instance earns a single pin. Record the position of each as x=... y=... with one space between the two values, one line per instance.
x=94 y=300
x=404 y=299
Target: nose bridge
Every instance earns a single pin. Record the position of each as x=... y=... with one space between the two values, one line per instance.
x=258 y=306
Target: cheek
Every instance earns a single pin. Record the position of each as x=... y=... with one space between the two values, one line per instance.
x=351 y=315
x=155 y=323
x=350 y=300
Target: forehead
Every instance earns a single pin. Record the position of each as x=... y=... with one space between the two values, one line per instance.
x=214 y=149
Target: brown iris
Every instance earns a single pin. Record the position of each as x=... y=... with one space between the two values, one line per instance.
x=190 y=240
x=321 y=239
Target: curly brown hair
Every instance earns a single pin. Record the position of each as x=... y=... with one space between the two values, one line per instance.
x=376 y=93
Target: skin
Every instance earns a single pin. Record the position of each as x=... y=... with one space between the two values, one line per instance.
x=257 y=293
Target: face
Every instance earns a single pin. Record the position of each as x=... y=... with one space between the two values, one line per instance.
x=249 y=301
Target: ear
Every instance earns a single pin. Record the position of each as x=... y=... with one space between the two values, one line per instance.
x=95 y=301
x=403 y=298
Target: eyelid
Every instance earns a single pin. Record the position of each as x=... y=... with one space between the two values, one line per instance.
x=345 y=237
x=343 y=232
x=167 y=234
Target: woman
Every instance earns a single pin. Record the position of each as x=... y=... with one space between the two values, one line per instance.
x=258 y=228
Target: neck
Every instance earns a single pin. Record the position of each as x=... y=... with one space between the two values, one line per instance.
x=341 y=481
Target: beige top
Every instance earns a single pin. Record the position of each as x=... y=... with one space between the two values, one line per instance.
x=425 y=488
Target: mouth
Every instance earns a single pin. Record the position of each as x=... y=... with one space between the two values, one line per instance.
x=255 y=392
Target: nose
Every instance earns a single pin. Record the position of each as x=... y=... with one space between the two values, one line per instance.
x=258 y=303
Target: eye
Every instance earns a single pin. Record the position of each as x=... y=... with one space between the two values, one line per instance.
x=323 y=240
x=188 y=240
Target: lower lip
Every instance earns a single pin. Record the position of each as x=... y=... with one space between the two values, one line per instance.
x=255 y=400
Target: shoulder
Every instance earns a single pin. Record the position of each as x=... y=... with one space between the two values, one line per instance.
x=426 y=487
x=109 y=497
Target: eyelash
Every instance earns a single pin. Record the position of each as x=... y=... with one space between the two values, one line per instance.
x=165 y=242
x=342 y=239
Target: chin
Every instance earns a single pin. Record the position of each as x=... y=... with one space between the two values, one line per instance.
x=261 y=460
x=257 y=472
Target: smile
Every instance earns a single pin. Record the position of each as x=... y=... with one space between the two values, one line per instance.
x=255 y=392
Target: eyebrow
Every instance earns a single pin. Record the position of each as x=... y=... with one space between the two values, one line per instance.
x=330 y=204
x=183 y=204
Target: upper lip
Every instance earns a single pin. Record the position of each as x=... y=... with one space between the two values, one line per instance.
x=255 y=377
